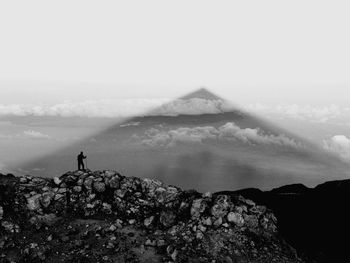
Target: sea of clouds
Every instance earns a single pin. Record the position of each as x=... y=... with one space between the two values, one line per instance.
x=120 y=108
x=158 y=137
x=317 y=114
x=27 y=134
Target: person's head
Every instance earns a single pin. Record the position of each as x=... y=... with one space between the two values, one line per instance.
x=81 y=152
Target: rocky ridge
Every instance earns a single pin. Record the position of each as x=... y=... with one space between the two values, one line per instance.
x=103 y=216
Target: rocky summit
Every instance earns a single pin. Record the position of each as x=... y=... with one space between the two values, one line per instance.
x=103 y=216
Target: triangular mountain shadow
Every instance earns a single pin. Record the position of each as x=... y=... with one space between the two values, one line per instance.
x=200 y=151
x=201 y=93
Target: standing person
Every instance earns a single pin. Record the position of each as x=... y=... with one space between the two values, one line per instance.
x=81 y=158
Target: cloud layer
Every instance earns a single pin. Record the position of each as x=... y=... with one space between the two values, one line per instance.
x=27 y=134
x=119 y=108
x=124 y=108
x=230 y=131
x=340 y=145
x=302 y=112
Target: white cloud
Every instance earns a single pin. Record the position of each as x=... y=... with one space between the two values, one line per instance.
x=302 y=112
x=89 y=108
x=35 y=135
x=136 y=123
x=119 y=108
x=339 y=144
x=27 y=134
x=229 y=131
x=193 y=106
x=255 y=136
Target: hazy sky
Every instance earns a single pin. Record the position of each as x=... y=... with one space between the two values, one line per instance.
x=247 y=51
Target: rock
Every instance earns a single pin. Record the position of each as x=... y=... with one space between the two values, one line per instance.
x=57 y=180
x=221 y=206
x=198 y=207
x=202 y=228
x=148 y=221
x=10 y=227
x=207 y=195
x=33 y=203
x=109 y=173
x=88 y=183
x=99 y=187
x=269 y=223
x=235 y=218
x=199 y=235
x=58 y=197
x=119 y=223
x=77 y=189
x=149 y=186
x=259 y=210
x=218 y=222
x=251 y=221
x=39 y=220
x=151 y=243
x=1 y=212
x=46 y=199
x=114 y=182
x=167 y=218
x=112 y=228
x=207 y=221
x=174 y=255
x=106 y=208
x=120 y=193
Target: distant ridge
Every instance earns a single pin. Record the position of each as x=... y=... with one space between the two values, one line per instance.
x=201 y=93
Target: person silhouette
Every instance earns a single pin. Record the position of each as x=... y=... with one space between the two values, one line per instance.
x=81 y=158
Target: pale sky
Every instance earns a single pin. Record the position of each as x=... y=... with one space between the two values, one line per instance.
x=246 y=51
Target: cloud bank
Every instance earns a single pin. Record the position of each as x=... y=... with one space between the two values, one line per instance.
x=27 y=134
x=228 y=132
x=340 y=145
x=302 y=112
x=119 y=108
x=124 y=108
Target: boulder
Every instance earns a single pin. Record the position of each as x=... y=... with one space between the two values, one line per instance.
x=33 y=203
x=198 y=207
x=221 y=206
x=99 y=187
x=148 y=221
x=235 y=218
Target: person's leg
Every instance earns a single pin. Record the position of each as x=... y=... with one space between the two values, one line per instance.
x=79 y=165
x=83 y=166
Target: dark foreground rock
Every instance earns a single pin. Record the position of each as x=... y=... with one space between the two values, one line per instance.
x=105 y=217
x=315 y=221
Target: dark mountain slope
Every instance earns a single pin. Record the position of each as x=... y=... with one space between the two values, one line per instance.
x=314 y=220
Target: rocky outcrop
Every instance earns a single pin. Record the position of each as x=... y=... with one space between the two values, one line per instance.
x=103 y=216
